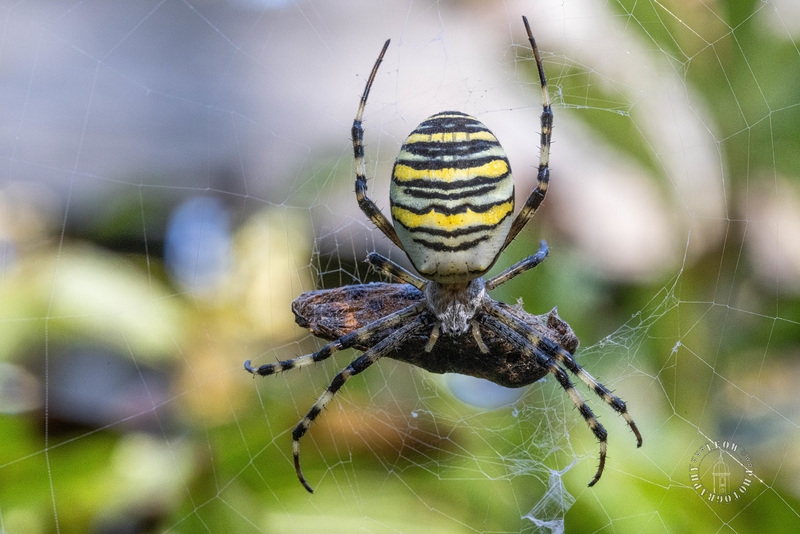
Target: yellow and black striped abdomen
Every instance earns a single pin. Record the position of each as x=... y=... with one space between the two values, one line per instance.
x=452 y=197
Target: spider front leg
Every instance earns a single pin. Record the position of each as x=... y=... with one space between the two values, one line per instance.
x=358 y=365
x=520 y=267
x=384 y=265
x=364 y=202
x=543 y=177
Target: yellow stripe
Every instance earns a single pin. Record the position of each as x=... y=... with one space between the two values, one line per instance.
x=493 y=169
x=441 y=221
x=450 y=137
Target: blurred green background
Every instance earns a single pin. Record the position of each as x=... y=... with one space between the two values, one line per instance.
x=174 y=174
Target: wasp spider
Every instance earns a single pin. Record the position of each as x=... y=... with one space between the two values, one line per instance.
x=452 y=202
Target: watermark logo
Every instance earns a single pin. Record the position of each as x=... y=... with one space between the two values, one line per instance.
x=721 y=472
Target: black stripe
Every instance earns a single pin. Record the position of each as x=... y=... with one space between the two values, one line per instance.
x=467 y=192
x=447 y=121
x=312 y=414
x=547 y=346
x=436 y=149
x=357 y=132
x=437 y=164
x=547 y=118
x=561 y=375
x=429 y=183
x=544 y=174
x=460 y=113
x=449 y=233
x=587 y=414
x=438 y=246
x=337 y=382
x=450 y=125
x=450 y=210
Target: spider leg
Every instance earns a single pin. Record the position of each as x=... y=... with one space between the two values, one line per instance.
x=567 y=360
x=368 y=206
x=518 y=268
x=346 y=341
x=433 y=337
x=498 y=324
x=618 y=405
x=358 y=365
x=476 y=335
x=391 y=269
x=546 y=350
x=543 y=177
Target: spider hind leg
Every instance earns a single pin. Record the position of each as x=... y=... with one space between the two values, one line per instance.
x=597 y=429
x=548 y=354
x=618 y=405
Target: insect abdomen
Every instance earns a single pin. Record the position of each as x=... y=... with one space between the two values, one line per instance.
x=452 y=197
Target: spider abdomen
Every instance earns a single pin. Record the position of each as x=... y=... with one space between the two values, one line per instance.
x=452 y=197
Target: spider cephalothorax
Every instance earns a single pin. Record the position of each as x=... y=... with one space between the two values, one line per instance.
x=332 y=313
x=452 y=203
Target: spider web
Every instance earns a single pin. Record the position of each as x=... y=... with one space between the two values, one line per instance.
x=175 y=173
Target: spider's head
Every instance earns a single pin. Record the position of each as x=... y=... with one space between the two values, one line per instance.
x=454 y=305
